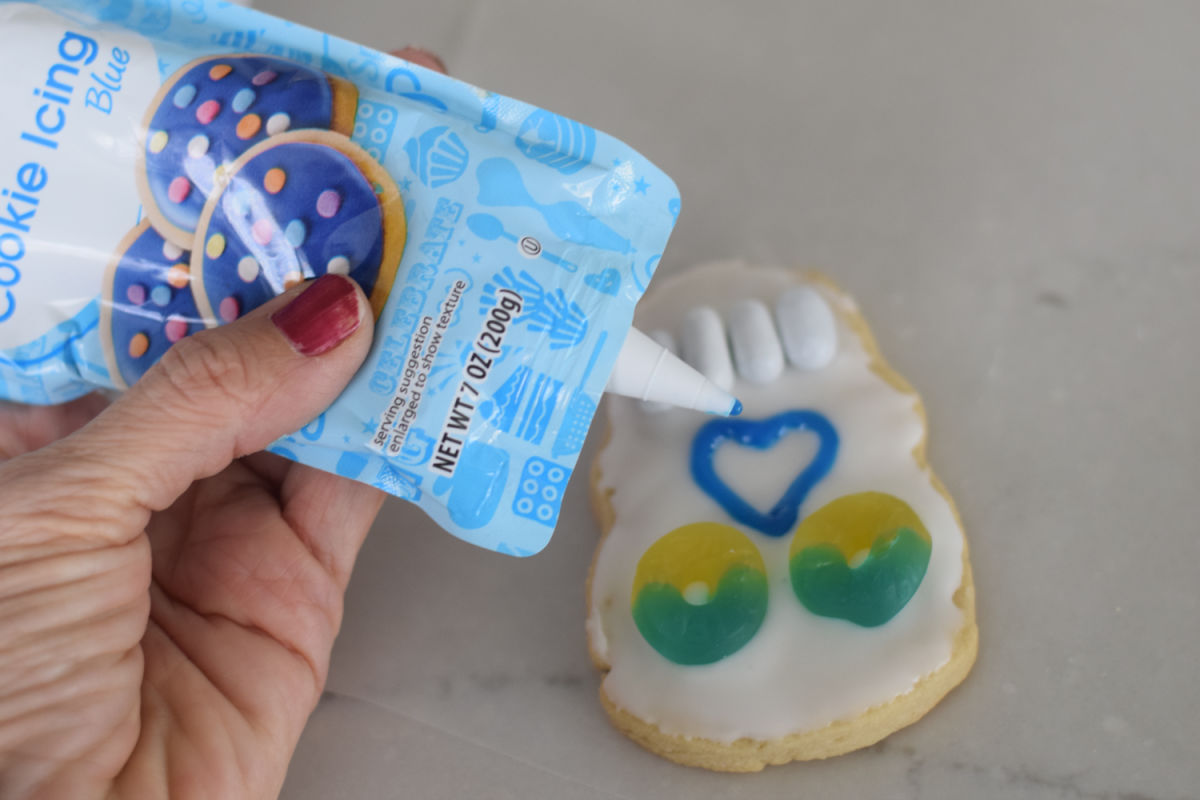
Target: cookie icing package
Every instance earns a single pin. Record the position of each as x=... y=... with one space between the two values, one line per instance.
x=168 y=165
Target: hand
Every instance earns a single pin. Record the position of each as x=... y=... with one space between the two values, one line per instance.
x=169 y=595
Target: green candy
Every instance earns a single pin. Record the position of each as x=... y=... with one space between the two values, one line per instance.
x=702 y=634
x=867 y=595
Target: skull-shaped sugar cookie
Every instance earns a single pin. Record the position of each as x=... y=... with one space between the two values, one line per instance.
x=789 y=584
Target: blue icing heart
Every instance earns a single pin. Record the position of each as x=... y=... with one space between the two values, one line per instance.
x=762 y=435
x=606 y=281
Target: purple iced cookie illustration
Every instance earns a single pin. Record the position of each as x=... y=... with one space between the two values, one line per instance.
x=293 y=208
x=213 y=110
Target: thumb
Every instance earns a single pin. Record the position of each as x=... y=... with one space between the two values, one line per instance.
x=222 y=394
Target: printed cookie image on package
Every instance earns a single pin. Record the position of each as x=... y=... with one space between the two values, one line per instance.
x=292 y=208
x=790 y=584
x=147 y=303
x=213 y=110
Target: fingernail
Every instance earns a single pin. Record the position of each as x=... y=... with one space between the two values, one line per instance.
x=321 y=317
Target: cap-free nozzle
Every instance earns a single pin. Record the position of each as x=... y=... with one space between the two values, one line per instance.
x=648 y=371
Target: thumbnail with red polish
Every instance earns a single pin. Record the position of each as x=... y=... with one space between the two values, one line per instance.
x=321 y=317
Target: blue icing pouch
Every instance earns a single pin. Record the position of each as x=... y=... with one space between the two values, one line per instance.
x=166 y=166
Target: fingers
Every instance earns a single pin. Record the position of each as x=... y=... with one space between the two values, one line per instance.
x=216 y=396
x=419 y=55
x=26 y=428
x=331 y=516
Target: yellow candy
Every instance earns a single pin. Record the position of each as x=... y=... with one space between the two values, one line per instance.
x=158 y=141
x=699 y=593
x=701 y=552
x=215 y=246
x=852 y=523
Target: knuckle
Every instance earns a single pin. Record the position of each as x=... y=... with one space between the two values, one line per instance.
x=54 y=500
x=207 y=365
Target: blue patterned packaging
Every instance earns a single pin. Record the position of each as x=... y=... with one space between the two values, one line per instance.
x=166 y=165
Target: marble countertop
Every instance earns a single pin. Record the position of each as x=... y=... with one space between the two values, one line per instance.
x=1012 y=193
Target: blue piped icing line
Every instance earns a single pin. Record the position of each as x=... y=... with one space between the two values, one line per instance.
x=762 y=435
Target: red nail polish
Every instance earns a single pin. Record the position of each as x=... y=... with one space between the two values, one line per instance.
x=321 y=317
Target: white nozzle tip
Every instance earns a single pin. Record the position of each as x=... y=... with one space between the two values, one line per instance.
x=648 y=371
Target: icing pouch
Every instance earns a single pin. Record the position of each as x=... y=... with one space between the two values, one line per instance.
x=168 y=166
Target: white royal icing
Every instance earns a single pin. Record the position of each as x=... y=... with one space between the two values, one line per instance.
x=800 y=671
x=754 y=343
x=702 y=337
x=806 y=327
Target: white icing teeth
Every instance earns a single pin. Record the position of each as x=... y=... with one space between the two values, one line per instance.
x=664 y=338
x=759 y=345
x=807 y=328
x=756 y=349
x=703 y=339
